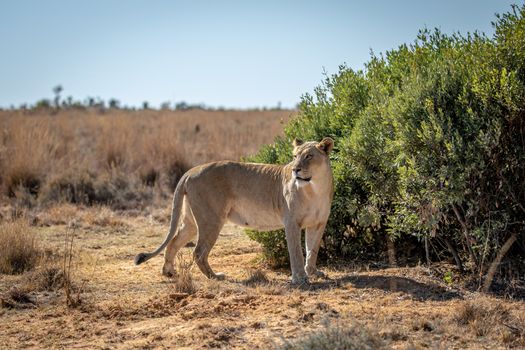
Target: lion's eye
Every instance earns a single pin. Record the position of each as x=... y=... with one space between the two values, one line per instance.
x=308 y=157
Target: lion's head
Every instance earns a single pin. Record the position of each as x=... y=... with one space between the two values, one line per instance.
x=310 y=160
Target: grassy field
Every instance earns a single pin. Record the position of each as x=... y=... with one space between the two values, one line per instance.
x=125 y=159
x=124 y=306
x=83 y=291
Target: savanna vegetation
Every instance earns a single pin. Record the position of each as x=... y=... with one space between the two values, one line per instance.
x=430 y=153
x=121 y=158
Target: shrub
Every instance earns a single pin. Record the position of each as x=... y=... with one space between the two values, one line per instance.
x=428 y=146
x=16 y=299
x=338 y=338
x=274 y=243
x=488 y=317
x=19 y=250
x=113 y=188
x=47 y=278
x=75 y=187
x=174 y=171
x=22 y=178
x=149 y=176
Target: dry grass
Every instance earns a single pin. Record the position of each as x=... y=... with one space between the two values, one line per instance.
x=256 y=277
x=50 y=270
x=125 y=306
x=72 y=292
x=19 y=251
x=73 y=215
x=16 y=298
x=49 y=277
x=355 y=337
x=486 y=317
x=183 y=281
x=123 y=158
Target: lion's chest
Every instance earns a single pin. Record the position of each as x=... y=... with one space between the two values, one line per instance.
x=310 y=205
x=313 y=213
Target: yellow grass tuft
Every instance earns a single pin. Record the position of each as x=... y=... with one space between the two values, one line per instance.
x=19 y=251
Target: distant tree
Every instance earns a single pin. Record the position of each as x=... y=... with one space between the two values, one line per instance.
x=114 y=103
x=41 y=104
x=57 y=90
x=90 y=102
x=145 y=105
x=68 y=102
x=165 y=105
x=181 y=106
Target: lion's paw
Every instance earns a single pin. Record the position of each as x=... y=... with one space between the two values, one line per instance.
x=314 y=272
x=300 y=281
x=318 y=274
x=168 y=270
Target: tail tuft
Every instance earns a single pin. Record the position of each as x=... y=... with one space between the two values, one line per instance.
x=140 y=258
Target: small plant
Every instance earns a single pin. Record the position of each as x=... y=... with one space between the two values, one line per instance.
x=72 y=293
x=49 y=277
x=448 y=277
x=256 y=277
x=183 y=281
x=19 y=252
x=16 y=298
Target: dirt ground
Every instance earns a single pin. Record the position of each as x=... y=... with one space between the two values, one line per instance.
x=127 y=306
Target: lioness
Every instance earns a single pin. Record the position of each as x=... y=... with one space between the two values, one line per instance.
x=260 y=196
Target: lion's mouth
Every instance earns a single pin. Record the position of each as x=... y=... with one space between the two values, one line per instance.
x=303 y=179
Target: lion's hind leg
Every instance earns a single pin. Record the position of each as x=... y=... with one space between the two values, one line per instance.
x=209 y=226
x=208 y=234
x=210 y=210
x=185 y=233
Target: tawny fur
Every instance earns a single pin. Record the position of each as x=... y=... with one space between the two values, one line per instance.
x=295 y=196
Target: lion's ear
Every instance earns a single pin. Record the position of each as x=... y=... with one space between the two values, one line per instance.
x=326 y=145
x=296 y=142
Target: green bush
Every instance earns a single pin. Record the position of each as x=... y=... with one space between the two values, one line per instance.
x=429 y=145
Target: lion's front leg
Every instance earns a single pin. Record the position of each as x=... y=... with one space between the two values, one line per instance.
x=313 y=238
x=293 y=242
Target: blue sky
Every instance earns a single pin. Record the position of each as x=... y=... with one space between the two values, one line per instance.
x=237 y=54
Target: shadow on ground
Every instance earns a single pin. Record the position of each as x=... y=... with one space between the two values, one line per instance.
x=418 y=290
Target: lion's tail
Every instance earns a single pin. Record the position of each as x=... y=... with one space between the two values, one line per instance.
x=178 y=197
